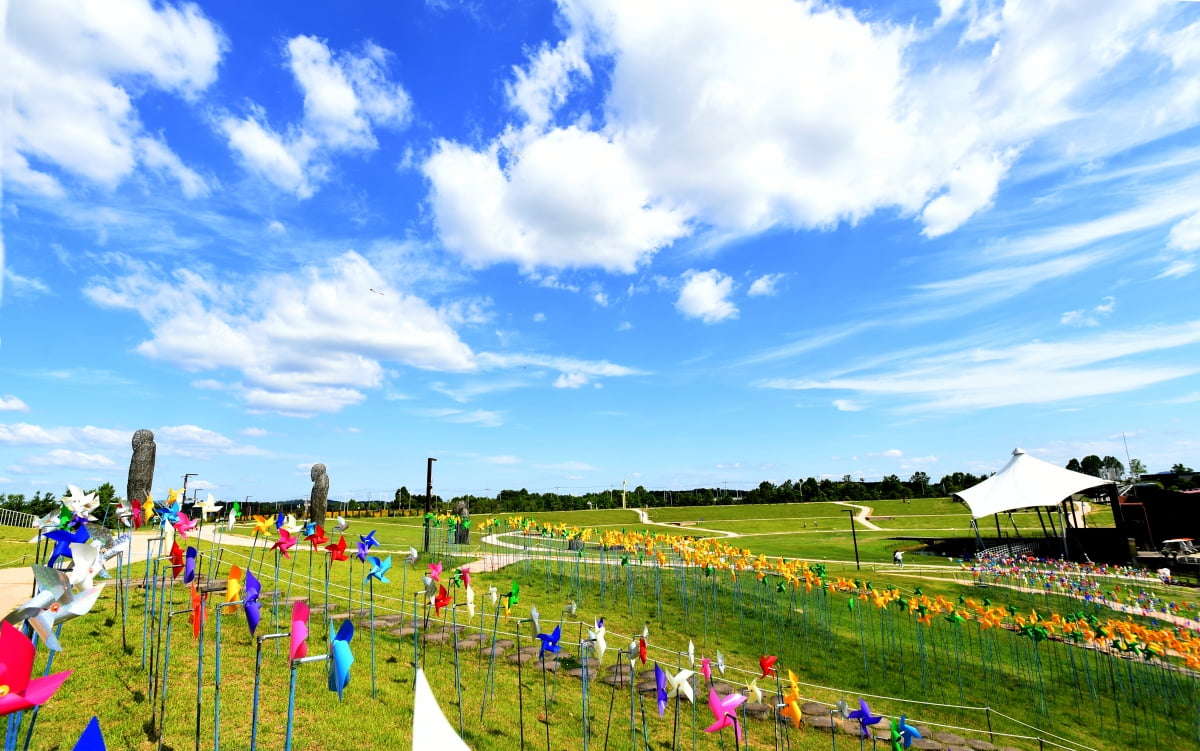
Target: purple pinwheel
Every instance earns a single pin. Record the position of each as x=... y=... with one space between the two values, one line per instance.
x=864 y=717
x=550 y=642
x=63 y=539
x=361 y=553
x=189 y=565
x=725 y=712
x=252 y=589
x=660 y=682
x=342 y=657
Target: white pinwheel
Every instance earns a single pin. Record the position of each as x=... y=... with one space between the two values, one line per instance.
x=88 y=565
x=754 y=692
x=291 y=525
x=207 y=506
x=494 y=594
x=720 y=662
x=81 y=504
x=535 y=616
x=680 y=684
x=411 y=558
x=342 y=525
x=691 y=654
x=55 y=604
x=597 y=637
x=470 y=601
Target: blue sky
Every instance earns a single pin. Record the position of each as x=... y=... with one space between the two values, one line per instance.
x=566 y=245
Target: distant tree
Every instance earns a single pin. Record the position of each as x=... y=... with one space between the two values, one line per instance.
x=1113 y=467
x=1179 y=469
x=1137 y=467
x=919 y=481
x=1073 y=465
x=891 y=488
x=811 y=490
x=1091 y=465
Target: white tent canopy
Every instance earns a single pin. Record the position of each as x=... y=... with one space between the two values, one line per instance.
x=1025 y=482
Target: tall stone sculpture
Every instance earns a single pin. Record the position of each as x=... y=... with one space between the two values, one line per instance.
x=320 y=494
x=141 y=466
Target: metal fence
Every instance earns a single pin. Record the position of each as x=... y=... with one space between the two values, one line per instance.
x=10 y=518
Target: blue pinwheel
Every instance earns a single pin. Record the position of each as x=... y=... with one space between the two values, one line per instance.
x=379 y=570
x=339 y=674
x=660 y=682
x=550 y=642
x=864 y=717
x=92 y=739
x=361 y=553
x=369 y=539
x=903 y=734
x=63 y=539
x=189 y=565
x=168 y=513
x=310 y=529
x=280 y=518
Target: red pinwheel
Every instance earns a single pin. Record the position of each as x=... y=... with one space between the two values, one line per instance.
x=16 y=661
x=441 y=600
x=767 y=663
x=317 y=538
x=337 y=550
x=465 y=575
x=642 y=649
x=198 y=611
x=285 y=542
x=299 y=640
x=176 y=560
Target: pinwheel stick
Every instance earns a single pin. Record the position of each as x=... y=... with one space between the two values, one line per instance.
x=217 y=677
x=34 y=716
x=291 y=711
x=162 y=715
x=520 y=686
x=457 y=673
x=257 y=683
x=371 y=584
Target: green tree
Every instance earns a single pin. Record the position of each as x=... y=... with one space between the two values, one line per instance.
x=1073 y=465
x=1114 y=467
x=1091 y=465
x=1137 y=467
x=1179 y=468
x=920 y=482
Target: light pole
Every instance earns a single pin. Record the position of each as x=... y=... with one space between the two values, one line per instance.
x=428 y=497
x=185 y=479
x=854 y=535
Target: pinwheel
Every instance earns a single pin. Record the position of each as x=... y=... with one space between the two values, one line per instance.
x=262 y=525
x=206 y=507
x=493 y=593
x=470 y=593
x=864 y=717
x=641 y=649
x=183 y=525
x=169 y=513
x=285 y=542
x=441 y=600
x=681 y=685
x=361 y=551
x=902 y=734
x=660 y=682
x=232 y=518
x=88 y=564
x=379 y=569
x=92 y=739
x=342 y=525
x=189 y=565
x=47 y=523
x=340 y=654
x=550 y=642
x=129 y=514
x=176 y=557
x=514 y=595
x=299 y=638
x=691 y=654
x=291 y=525
x=54 y=604
x=16 y=662
x=310 y=527
x=767 y=663
x=369 y=539
x=279 y=519
x=81 y=504
x=465 y=575
x=233 y=589
x=725 y=712
x=842 y=708
x=535 y=616
x=706 y=669
x=435 y=572
x=147 y=509
x=720 y=662
x=753 y=692
x=316 y=537
x=411 y=558
x=253 y=608
x=337 y=550
x=198 y=611
x=63 y=539
x=596 y=636
x=791 y=700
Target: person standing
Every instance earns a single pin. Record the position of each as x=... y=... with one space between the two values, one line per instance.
x=898 y=558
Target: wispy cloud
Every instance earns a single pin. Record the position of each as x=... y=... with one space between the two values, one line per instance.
x=486 y=418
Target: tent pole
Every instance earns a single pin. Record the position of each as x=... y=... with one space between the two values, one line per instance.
x=1066 y=552
x=1041 y=521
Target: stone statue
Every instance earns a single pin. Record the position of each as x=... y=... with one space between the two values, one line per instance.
x=462 y=535
x=141 y=466
x=320 y=494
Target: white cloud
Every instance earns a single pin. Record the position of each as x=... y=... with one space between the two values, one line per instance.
x=765 y=285
x=570 y=381
x=23 y=285
x=276 y=227
x=705 y=295
x=486 y=418
x=924 y=120
x=1183 y=238
x=594 y=368
x=11 y=403
x=845 y=405
x=503 y=459
x=71 y=67
x=539 y=317
x=1086 y=317
x=1035 y=372
x=346 y=96
x=254 y=432
x=893 y=453
x=70 y=460
x=625 y=326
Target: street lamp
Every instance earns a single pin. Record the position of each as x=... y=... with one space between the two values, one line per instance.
x=428 y=497
x=185 y=479
x=854 y=535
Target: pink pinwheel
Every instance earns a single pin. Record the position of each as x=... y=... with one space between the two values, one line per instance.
x=435 y=571
x=184 y=525
x=725 y=712
x=706 y=669
x=16 y=661
x=285 y=542
x=299 y=630
x=466 y=576
x=136 y=510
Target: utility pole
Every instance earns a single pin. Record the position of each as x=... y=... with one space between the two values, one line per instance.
x=622 y=493
x=854 y=535
x=185 y=479
x=428 y=497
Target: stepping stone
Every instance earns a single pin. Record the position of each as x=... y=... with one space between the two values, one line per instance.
x=949 y=739
x=402 y=632
x=647 y=687
x=521 y=657
x=550 y=666
x=435 y=637
x=1007 y=748
x=979 y=745
x=646 y=675
x=616 y=679
x=578 y=673
x=814 y=708
x=535 y=650
x=504 y=643
x=496 y=651
x=722 y=688
x=927 y=744
x=471 y=640
x=757 y=710
x=819 y=721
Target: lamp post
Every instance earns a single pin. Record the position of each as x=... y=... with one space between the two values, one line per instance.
x=428 y=497
x=854 y=535
x=185 y=479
